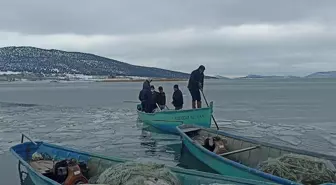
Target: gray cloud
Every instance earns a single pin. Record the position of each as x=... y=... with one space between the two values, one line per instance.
x=231 y=37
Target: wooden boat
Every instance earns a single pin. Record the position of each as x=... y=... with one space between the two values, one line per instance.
x=168 y=120
x=243 y=154
x=96 y=164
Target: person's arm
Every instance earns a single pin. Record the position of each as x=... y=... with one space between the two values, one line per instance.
x=178 y=98
x=140 y=96
x=193 y=79
x=202 y=82
x=198 y=79
x=181 y=96
x=174 y=98
x=164 y=99
x=157 y=99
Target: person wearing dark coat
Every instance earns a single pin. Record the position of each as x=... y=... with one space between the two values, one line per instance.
x=195 y=84
x=161 y=98
x=145 y=97
x=154 y=98
x=177 y=98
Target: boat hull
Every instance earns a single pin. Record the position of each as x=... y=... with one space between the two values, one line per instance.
x=97 y=164
x=215 y=162
x=167 y=121
x=227 y=166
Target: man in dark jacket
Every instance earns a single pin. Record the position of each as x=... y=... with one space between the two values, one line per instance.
x=154 y=98
x=161 y=98
x=195 y=84
x=177 y=98
x=145 y=97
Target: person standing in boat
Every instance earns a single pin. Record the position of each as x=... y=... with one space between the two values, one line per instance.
x=195 y=84
x=177 y=98
x=154 y=98
x=145 y=97
x=161 y=98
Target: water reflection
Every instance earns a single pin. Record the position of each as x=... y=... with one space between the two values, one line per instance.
x=182 y=156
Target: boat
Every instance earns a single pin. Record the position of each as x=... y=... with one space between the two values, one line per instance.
x=96 y=164
x=243 y=155
x=167 y=120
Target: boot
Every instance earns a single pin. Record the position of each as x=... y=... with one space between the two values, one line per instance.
x=193 y=104
x=199 y=104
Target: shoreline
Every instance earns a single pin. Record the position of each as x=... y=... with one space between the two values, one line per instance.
x=141 y=80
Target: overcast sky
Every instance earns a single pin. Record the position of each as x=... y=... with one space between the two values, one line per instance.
x=230 y=37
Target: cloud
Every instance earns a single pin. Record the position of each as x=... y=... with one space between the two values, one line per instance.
x=230 y=37
x=87 y=17
x=232 y=50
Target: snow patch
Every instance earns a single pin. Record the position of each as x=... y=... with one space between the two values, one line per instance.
x=55 y=70
x=79 y=76
x=9 y=73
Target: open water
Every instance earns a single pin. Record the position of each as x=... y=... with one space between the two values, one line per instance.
x=94 y=117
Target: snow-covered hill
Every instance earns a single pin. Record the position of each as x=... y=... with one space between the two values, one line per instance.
x=36 y=60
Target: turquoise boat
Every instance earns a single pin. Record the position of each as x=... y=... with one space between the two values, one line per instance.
x=96 y=164
x=168 y=120
x=244 y=154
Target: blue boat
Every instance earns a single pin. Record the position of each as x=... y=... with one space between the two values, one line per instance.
x=97 y=164
x=243 y=156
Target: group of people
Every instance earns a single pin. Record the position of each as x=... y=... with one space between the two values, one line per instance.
x=151 y=99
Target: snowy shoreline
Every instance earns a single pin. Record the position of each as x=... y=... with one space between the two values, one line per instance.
x=10 y=76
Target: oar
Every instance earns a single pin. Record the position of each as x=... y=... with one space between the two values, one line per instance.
x=135 y=142
x=157 y=105
x=213 y=118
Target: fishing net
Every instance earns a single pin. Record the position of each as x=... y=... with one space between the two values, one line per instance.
x=132 y=173
x=300 y=168
x=40 y=156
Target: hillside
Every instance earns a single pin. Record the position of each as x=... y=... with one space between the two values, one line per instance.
x=328 y=74
x=36 y=60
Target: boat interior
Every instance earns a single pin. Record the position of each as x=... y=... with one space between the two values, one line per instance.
x=63 y=166
x=69 y=167
x=243 y=150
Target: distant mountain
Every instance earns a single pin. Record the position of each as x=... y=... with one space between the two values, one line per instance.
x=328 y=74
x=267 y=77
x=36 y=60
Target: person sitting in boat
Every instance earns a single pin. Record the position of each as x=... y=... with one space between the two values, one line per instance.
x=215 y=144
x=209 y=144
x=221 y=145
x=161 y=98
x=195 y=84
x=145 y=97
x=177 y=98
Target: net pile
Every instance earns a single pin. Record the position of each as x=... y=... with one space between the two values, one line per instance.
x=132 y=173
x=40 y=156
x=299 y=168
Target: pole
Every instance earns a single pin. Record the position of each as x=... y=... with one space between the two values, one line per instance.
x=213 y=118
x=129 y=101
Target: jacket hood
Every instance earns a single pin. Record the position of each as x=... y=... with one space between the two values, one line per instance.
x=146 y=85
